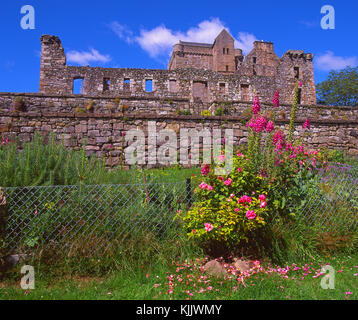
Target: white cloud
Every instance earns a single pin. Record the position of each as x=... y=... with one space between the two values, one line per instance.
x=159 y=41
x=245 y=41
x=329 y=61
x=205 y=32
x=122 y=31
x=85 y=57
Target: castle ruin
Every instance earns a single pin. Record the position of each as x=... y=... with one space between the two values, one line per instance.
x=199 y=77
x=203 y=73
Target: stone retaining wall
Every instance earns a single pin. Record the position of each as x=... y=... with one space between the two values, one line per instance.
x=102 y=126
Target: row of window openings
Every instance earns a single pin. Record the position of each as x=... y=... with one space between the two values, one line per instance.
x=78 y=85
x=78 y=82
x=225 y=50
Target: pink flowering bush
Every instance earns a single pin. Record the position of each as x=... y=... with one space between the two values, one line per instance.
x=228 y=208
x=234 y=210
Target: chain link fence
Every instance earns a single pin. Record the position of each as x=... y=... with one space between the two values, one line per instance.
x=90 y=219
x=327 y=203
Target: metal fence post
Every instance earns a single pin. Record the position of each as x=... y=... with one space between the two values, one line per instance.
x=188 y=192
x=3 y=214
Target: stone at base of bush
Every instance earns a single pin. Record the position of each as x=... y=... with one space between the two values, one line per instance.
x=242 y=265
x=215 y=268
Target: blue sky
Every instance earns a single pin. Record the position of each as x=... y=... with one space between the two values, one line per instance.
x=139 y=34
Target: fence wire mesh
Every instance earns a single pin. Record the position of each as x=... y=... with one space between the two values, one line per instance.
x=90 y=219
x=328 y=202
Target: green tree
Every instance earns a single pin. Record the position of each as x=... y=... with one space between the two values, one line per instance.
x=340 y=89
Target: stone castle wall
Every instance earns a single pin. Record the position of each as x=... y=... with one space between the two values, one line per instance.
x=101 y=127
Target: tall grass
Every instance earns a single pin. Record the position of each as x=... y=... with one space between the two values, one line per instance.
x=39 y=163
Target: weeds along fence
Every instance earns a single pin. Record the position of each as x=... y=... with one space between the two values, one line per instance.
x=98 y=219
x=92 y=219
x=327 y=203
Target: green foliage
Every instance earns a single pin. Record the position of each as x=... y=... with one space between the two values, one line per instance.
x=46 y=164
x=340 y=89
x=333 y=156
x=184 y=112
x=293 y=113
x=219 y=111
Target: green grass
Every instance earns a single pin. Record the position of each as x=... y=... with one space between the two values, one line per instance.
x=152 y=284
x=135 y=270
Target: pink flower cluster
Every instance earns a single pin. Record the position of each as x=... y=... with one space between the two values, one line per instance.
x=244 y=199
x=228 y=182
x=256 y=106
x=208 y=227
x=262 y=198
x=222 y=158
x=278 y=140
x=276 y=99
x=250 y=214
x=205 y=170
x=5 y=141
x=205 y=186
x=258 y=123
x=307 y=124
x=270 y=126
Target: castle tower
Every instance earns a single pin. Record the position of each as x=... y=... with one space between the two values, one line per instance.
x=224 y=53
x=53 y=61
x=296 y=65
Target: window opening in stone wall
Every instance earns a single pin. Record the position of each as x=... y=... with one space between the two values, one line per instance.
x=223 y=50
x=227 y=68
x=253 y=70
x=254 y=60
x=296 y=72
x=245 y=92
x=148 y=85
x=127 y=85
x=106 y=84
x=78 y=85
x=200 y=90
x=173 y=86
x=222 y=88
x=227 y=50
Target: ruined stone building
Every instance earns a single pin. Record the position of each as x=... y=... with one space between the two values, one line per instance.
x=201 y=72
x=199 y=77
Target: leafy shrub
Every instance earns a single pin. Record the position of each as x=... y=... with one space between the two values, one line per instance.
x=227 y=208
